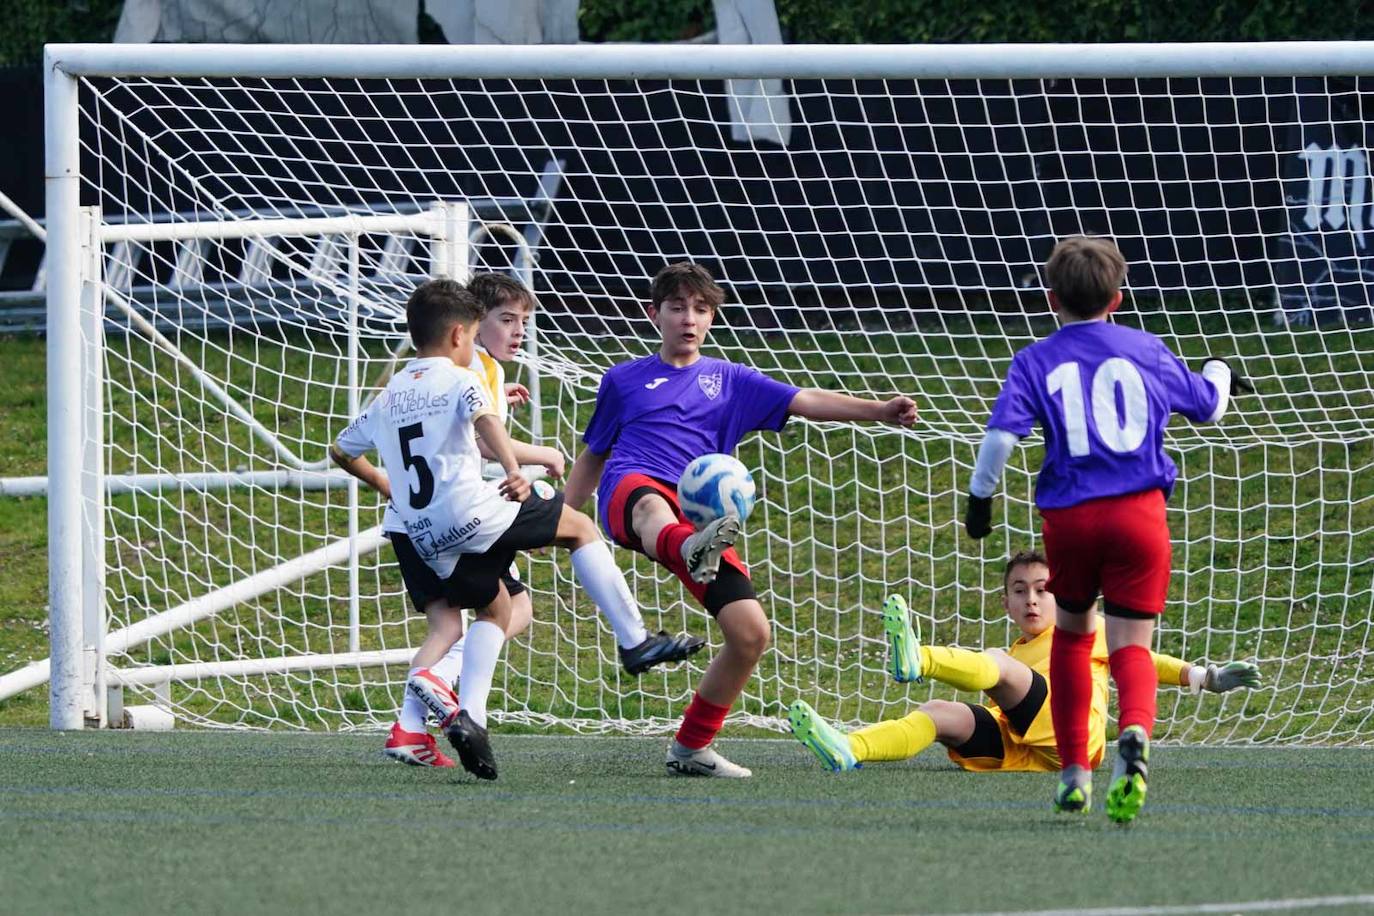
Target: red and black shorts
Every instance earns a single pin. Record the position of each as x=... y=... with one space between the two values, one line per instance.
x=1118 y=546
x=732 y=582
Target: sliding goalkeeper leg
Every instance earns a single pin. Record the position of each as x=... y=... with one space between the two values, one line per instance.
x=897 y=739
x=830 y=746
x=903 y=647
x=910 y=662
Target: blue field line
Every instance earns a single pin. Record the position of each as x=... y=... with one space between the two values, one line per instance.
x=497 y=796
x=934 y=761
x=448 y=824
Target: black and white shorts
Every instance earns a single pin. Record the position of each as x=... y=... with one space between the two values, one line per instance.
x=476 y=580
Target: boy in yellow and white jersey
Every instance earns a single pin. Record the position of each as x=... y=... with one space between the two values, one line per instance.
x=1013 y=730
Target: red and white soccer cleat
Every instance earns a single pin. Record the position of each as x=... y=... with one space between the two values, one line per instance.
x=436 y=694
x=415 y=748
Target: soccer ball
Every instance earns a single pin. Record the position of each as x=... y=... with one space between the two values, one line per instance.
x=714 y=486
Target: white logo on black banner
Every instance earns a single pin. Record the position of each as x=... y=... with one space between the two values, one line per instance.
x=710 y=385
x=1338 y=179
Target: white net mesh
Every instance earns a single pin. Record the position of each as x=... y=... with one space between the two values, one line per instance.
x=893 y=246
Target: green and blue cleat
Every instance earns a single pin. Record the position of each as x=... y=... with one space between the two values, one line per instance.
x=903 y=648
x=1126 y=795
x=1074 y=794
x=829 y=745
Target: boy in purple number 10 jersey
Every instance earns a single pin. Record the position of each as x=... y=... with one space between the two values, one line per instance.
x=1102 y=394
x=653 y=417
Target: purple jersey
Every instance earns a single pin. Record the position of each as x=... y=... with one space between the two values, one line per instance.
x=655 y=419
x=1103 y=394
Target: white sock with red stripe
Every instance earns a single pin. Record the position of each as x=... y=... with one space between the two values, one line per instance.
x=605 y=583
x=484 y=642
x=413 y=712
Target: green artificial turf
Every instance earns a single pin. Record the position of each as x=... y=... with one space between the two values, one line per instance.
x=197 y=822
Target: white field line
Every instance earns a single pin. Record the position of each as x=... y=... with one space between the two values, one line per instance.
x=1248 y=906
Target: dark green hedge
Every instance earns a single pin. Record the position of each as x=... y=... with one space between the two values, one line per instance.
x=915 y=21
x=27 y=24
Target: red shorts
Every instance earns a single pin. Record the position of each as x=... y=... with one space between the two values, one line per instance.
x=1117 y=545
x=620 y=513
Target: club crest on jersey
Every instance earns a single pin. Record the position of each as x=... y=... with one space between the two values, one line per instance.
x=710 y=385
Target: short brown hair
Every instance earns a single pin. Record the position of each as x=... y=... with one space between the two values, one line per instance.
x=494 y=290
x=1085 y=273
x=685 y=276
x=1019 y=559
x=436 y=306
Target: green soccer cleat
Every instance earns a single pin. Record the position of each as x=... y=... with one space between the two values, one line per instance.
x=1074 y=794
x=903 y=648
x=825 y=741
x=1126 y=795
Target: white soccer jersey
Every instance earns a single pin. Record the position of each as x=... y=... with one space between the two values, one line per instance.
x=493 y=378
x=421 y=425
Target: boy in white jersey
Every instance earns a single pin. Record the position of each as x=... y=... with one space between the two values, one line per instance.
x=508 y=306
x=461 y=532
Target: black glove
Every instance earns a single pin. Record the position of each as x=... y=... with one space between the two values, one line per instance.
x=1239 y=382
x=978 y=517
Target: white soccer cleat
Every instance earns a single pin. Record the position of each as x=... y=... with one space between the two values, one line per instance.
x=702 y=551
x=683 y=761
x=435 y=693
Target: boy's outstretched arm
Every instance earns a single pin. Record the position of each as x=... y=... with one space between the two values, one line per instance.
x=987 y=475
x=1212 y=677
x=550 y=458
x=583 y=478
x=819 y=404
x=364 y=470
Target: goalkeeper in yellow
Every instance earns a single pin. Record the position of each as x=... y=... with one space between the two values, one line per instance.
x=1013 y=730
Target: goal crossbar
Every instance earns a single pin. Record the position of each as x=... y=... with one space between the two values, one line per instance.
x=1127 y=61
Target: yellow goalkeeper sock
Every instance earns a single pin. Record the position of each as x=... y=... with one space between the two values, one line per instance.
x=894 y=740
x=959 y=667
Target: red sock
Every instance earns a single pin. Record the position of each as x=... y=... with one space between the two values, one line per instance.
x=1137 y=686
x=1071 y=694
x=669 y=550
x=700 y=722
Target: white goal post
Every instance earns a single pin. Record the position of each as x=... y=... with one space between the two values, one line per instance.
x=891 y=246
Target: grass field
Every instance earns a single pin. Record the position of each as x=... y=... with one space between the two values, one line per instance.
x=1275 y=549
x=203 y=822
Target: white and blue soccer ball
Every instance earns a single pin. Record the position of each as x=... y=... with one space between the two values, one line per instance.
x=714 y=486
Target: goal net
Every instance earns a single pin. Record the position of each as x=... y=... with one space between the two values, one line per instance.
x=254 y=231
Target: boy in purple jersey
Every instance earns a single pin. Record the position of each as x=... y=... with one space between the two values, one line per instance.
x=1102 y=394
x=653 y=417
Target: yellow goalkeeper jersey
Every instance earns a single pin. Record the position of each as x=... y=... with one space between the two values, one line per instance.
x=1035 y=654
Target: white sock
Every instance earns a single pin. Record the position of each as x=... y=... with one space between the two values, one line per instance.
x=603 y=580
x=413 y=712
x=448 y=667
x=484 y=642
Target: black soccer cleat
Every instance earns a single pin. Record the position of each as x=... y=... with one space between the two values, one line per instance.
x=658 y=649
x=474 y=750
